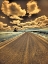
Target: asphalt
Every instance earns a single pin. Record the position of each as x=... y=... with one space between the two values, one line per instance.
x=27 y=49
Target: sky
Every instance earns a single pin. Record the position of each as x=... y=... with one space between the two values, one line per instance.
x=23 y=14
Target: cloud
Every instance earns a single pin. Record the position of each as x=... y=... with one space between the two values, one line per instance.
x=45 y=23
x=15 y=9
x=21 y=24
x=8 y=28
x=27 y=26
x=27 y=23
x=2 y=25
x=41 y=21
x=16 y=17
x=30 y=24
x=15 y=22
x=2 y=17
x=41 y=18
x=12 y=9
x=17 y=27
x=5 y=7
x=32 y=8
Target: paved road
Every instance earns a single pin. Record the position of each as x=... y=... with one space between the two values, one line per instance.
x=27 y=49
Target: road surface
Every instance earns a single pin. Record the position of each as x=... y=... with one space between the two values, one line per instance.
x=27 y=49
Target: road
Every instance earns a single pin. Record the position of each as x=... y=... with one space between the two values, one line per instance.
x=27 y=49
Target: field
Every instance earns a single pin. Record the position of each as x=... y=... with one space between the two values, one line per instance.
x=7 y=35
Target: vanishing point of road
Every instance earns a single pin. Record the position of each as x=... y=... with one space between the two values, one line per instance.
x=27 y=49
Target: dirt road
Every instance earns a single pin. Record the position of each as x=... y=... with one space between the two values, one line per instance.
x=27 y=49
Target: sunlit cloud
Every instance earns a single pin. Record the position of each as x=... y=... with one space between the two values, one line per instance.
x=5 y=7
x=21 y=24
x=32 y=8
x=2 y=25
x=8 y=28
x=2 y=17
x=17 y=27
x=16 y=17
x=41 y=21
x=12 y=9
x=27 y=23
x=41 y=18
x=16 y=13
x=15 y=22
x=15 y=9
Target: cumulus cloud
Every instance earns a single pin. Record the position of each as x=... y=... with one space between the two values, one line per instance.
x=15 y=22
x=5 y=7
x=12 y=9
x=45 y=23
x=16 y=17
x=30 y=24
x=2 y=25
x=21 y=24
x=2 y=17
x=16 y=9
x=41 y=21
x=42 y=18
x=27 y=26
x=17 y=27
x=32 y=8
x=27 y=23
x=8 y=28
